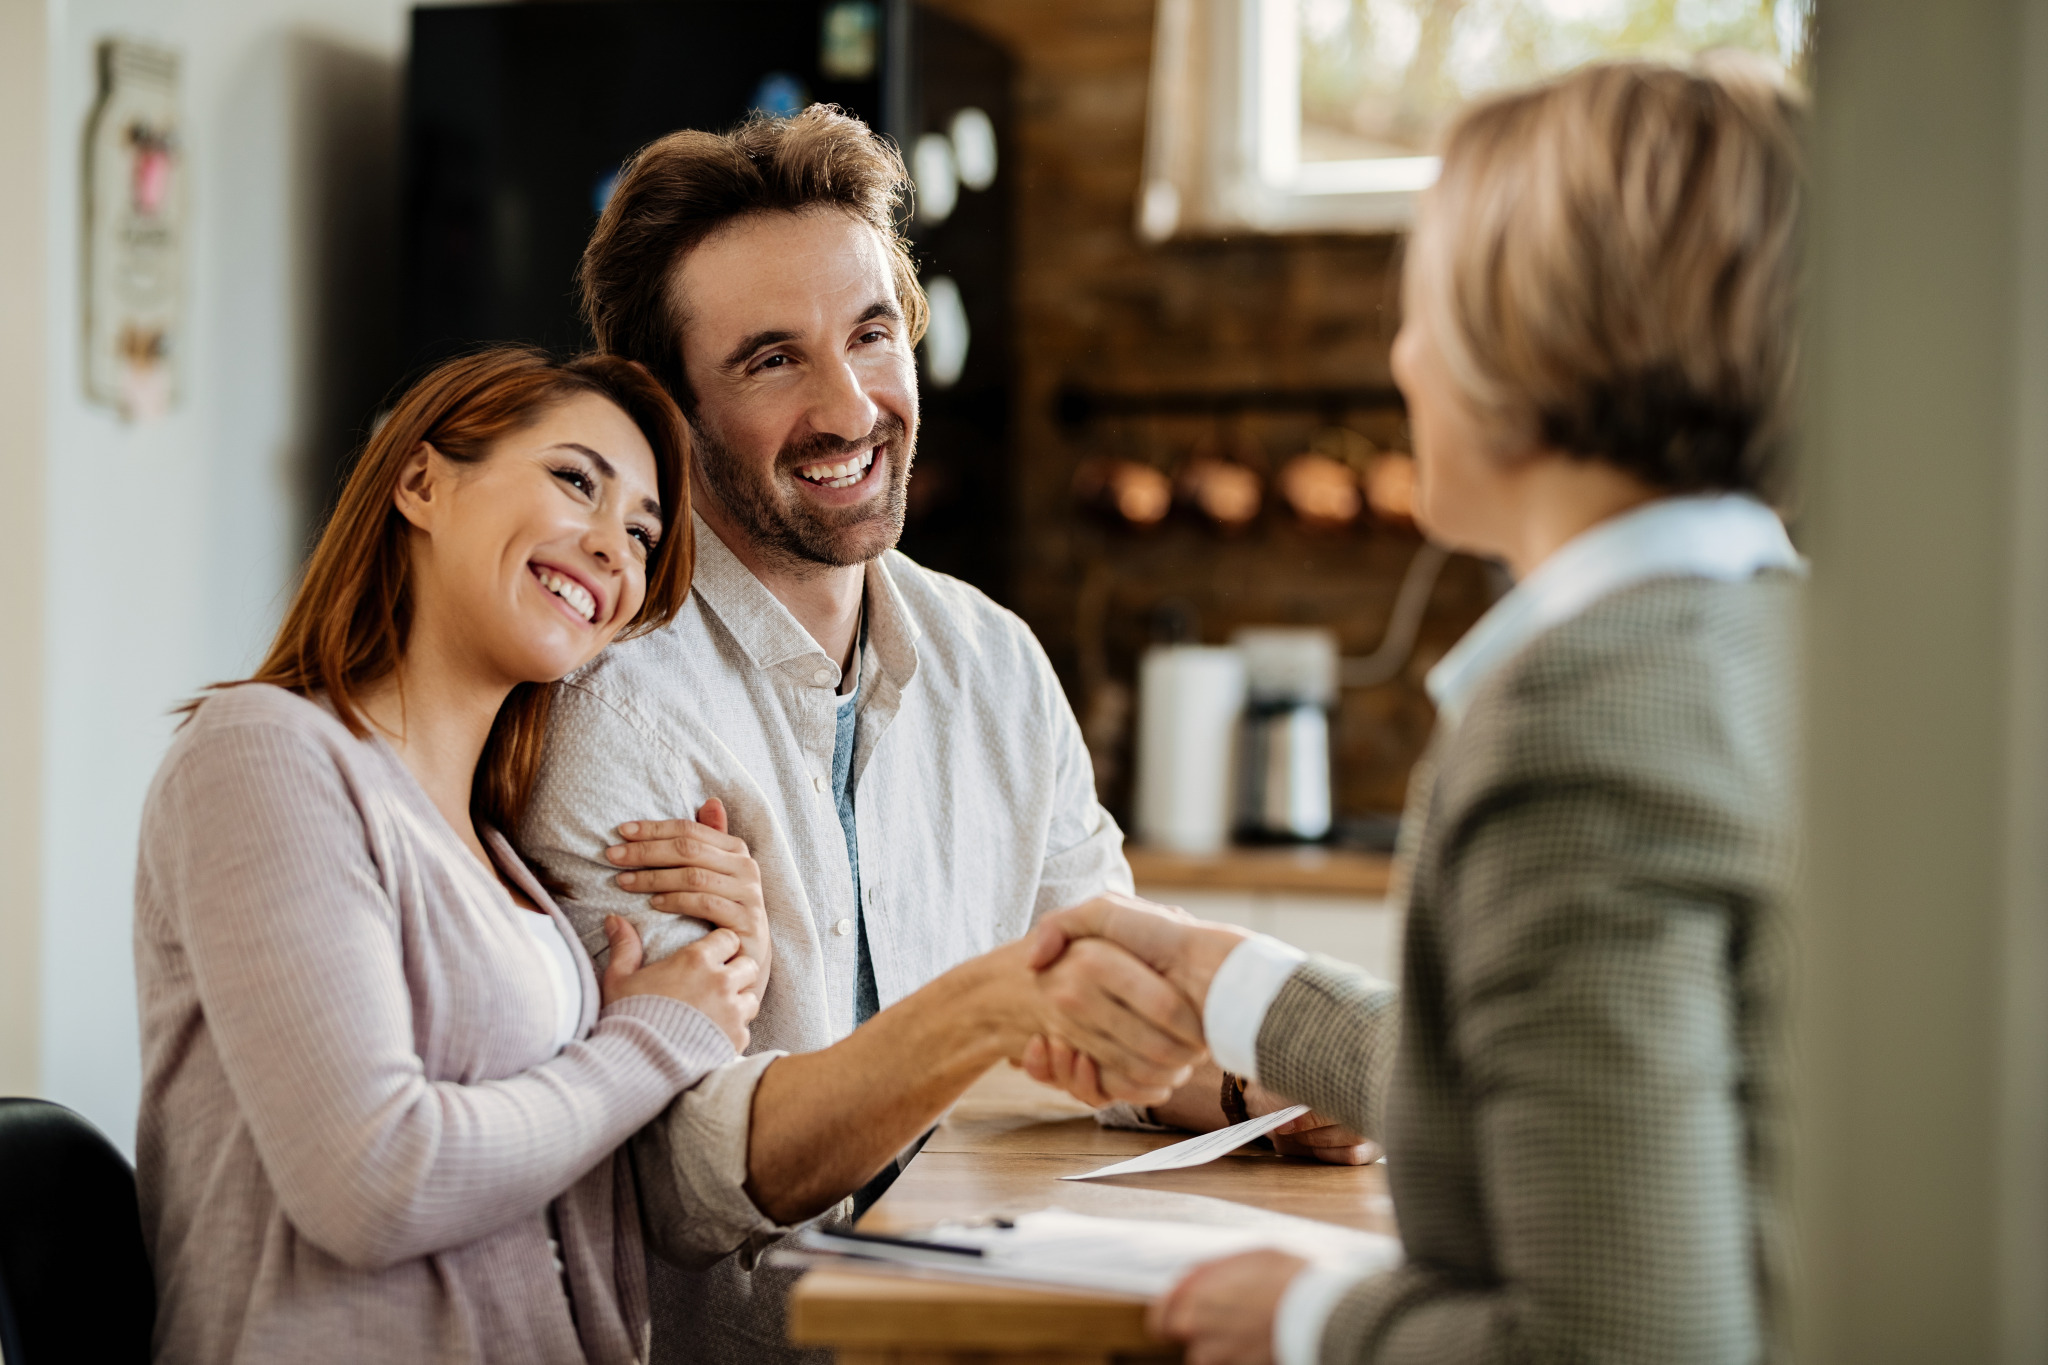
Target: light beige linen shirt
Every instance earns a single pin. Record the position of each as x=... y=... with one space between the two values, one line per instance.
x=975 y=812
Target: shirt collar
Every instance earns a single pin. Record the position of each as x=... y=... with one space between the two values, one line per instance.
x=851 y=696
x=773 y=639
x=1728 y=537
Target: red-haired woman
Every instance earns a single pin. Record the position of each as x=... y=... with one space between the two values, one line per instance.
x=383 y=1091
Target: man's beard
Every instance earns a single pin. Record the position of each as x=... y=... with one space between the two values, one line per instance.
x=784 y=526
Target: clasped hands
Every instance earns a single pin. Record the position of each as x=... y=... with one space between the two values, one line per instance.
x=1224 y=1310
x=1185 y=953
x=1104 y=999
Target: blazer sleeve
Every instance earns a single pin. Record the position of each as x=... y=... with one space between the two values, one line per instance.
x=1328 y=1040
x=263 y=856
x=1590 y=1005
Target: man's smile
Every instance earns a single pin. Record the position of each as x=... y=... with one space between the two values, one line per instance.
x=842 y=473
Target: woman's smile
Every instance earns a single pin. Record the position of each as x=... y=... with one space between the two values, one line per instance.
x=571 y=592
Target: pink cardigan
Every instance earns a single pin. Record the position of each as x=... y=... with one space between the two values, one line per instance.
x=355 y=1142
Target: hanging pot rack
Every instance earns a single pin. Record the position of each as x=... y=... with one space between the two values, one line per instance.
x=1076 y=405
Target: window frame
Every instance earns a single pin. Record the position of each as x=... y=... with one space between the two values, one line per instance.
x=1223 y=135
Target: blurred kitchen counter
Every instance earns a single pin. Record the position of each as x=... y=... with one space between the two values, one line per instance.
x=1318 y=899
x=1324 y=871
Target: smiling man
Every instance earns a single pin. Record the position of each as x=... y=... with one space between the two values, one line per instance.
x=892 y=746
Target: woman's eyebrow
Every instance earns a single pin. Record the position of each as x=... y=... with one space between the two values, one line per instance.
x=607 y=470
x=604 y=466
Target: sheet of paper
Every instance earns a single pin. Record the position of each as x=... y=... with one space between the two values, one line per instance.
x=1109 y=1255
x=1199 y=1150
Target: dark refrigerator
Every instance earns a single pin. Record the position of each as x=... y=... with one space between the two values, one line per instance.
x=519 y=116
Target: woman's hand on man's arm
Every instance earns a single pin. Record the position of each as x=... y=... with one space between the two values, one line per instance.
x=698 y=869
x=712 y=976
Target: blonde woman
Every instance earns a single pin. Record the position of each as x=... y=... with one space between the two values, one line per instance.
x=1575 y=1083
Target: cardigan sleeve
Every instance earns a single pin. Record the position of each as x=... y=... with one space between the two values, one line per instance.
x=262 y=853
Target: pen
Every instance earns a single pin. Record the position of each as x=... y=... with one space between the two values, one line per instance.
x=885 y=1240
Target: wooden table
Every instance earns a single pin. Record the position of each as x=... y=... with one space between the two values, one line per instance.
x=1001 y=1151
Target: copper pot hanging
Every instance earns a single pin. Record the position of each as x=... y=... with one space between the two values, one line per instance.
x=1224 y=491
x=1124 y=490
x=1322 y=492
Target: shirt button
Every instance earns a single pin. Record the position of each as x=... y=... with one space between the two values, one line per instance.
x=843 y=928
x=817 y=784
x=823 y=677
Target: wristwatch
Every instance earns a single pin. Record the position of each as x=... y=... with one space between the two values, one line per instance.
x=1234 y=1110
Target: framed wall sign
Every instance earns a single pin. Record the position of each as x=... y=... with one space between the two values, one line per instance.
x=134 y=179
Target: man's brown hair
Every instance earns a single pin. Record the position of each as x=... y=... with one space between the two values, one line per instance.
x=678 y=190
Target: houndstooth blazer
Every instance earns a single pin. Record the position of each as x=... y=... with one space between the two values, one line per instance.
x=1583 y=1116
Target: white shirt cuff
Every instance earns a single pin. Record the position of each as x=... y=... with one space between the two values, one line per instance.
x=1312 y=1295
x=1240 y=993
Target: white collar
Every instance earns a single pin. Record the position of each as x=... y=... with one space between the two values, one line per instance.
x=773 y=639
x=1726 y=536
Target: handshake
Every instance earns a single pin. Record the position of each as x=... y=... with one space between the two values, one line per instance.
x=1124 y=984
x=1122 y=990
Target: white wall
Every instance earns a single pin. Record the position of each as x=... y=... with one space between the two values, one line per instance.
x=168 y=548
x=24 y=116
x=1923 y=1017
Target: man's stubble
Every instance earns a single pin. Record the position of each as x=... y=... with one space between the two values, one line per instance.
x=802 y=537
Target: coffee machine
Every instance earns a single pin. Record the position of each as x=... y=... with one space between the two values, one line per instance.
x=1283 y=768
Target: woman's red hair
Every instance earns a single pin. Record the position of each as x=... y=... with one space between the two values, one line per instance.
x=349 y=621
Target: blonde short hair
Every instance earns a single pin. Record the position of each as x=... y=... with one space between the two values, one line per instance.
x=1609 y=263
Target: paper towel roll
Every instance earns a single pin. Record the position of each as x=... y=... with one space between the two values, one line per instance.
x=1189 y=701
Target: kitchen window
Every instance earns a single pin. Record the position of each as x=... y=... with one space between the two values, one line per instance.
x=1321 y=115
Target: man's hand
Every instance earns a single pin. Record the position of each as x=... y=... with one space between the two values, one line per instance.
x=1224 y=1310
x=1183 y=949
x=1140 y=1035
x=1049 y=1061
x=696 y=868
x=824 y=1122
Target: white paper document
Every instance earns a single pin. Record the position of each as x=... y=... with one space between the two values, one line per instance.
x=1130 y=1256
x=1201 y=1149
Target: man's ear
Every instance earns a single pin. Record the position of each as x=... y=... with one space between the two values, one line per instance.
x=418 y=483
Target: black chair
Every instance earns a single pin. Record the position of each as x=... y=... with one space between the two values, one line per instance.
x=74 y=1278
